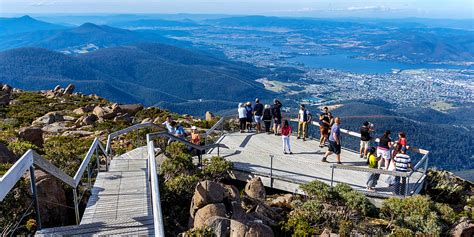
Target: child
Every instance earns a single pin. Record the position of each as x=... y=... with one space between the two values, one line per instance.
x=372 y=162
x=285 y=136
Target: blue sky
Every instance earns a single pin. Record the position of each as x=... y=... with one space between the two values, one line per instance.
x=314 y=8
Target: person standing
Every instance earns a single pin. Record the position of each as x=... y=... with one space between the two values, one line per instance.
x=372 y=177
x=304 y=118
x=276 y=113
x=383 y=149
x=324 y=125
x=242 y=117
x=258 y=113
x=285 y=136
x=248 y=109
x=402 y=164
x=334 y=141
x=365 y=138
x=267 y=118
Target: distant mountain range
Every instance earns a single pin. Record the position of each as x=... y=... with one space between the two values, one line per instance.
x=152 y=74
x=22 y=24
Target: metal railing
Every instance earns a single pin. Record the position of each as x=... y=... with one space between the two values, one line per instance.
x=31 y=159
x=155 y=190
x=218 y=125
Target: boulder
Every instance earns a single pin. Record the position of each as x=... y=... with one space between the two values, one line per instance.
x=32 y=134
x=50 y=192
x=282 y=201
x=231 y=193
x=238 y=212
x=209 y=116
x=7 y=89
x=77 y=133
x=208 y=211
x=220 y=226
x=4 y=98
x=238 y=228
x=69 y=89
x=57 y=127
x=207 y=192
x=127 y=118
x=106 y=112
x=147 y=120
x=57 y=89
x=258 y=229
x=49 y=118
x=255 y=189
x=130 y=108
x=87 y=120
x=464 y=228
x=6 y=156
x=83 y=110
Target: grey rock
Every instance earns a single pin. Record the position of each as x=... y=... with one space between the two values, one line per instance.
x=32 y=134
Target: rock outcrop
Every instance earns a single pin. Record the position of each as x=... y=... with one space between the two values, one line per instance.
x=131 y=109
x=6 y=156
x=49 y=118
x=255 y=189
x=106 y=112
x=32 y=134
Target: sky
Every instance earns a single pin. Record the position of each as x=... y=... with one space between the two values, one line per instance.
x=310 y=8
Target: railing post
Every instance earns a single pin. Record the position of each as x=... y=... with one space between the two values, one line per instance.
x=76 y=205
x=97 y=159
x=35 y=196
x=89 y=176
x=332 y=175
x=407 y=186
x=271 y=171
x=426 y=163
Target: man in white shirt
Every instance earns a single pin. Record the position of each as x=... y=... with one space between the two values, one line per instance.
x=304 y=118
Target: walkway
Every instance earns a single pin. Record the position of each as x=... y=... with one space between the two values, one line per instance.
x=250 y=154
x=119 y=203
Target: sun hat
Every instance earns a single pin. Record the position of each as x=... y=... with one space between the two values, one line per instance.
x=193 y=128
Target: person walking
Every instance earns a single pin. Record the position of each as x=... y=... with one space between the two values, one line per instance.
x=285 y=136
x=267 y=118
x=304 y=118
x=257 y=114
x=383 y=149
x=324 y=126
x=249 y=112
x=365 y=138
x=372 y=162
x=334 y=141
x=242 y=117
x=402 y=164
x=276 y=114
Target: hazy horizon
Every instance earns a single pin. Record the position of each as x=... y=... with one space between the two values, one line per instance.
x=442 y=9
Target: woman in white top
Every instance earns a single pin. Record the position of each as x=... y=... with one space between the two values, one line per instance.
x=242 y=117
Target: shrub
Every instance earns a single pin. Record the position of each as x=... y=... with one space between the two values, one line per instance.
x=31 y=225
x=317 y=190
x=20 y=147
x=419 y=214
x=217 y=168
x=182 y=185
x=355 y=200
x=401 y=232
x=178 y=161
x=4 y=167
x=66 y=153
x=199 y=232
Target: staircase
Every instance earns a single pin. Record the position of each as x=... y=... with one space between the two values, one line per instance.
x=120 y=201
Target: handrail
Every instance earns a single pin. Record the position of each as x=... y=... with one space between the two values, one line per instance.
x=82 y=168
x=356 y=134
x=108 y=148
x=186 y=142
x=155 y=190
x=370 y=170
x=9 y=179
x=213 y=128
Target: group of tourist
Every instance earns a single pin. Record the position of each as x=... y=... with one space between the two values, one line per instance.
x=387 y=155
x=177 y=130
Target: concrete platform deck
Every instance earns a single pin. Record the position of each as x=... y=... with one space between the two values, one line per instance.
x=250 y=154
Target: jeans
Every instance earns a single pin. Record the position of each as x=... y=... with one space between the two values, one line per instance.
x=372 y=180
x=302 y=129
x=242 y=123
x=268 y=124
x=286 y=143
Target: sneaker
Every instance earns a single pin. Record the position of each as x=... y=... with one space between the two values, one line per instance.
x=321 y=146
x=339 y=163
x=324 y=159
x=304 y=139
x=291 y=153
x=285 y=152
x=299 y=138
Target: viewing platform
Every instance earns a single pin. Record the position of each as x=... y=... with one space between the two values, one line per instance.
x=262 y=155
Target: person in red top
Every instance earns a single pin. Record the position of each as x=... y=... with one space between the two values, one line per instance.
x=285 y=136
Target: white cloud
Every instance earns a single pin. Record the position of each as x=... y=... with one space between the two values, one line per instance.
x=374 y=8
x=42 y=3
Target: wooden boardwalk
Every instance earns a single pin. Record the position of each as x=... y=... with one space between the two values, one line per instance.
x=120 y=201
x=250 y=153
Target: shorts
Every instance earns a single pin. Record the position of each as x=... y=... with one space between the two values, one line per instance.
x=324 y=130
x=383 y=153
x=249 y=120
x=364 y=145
x=277 y=121
x=258 y=119
x=334 y=147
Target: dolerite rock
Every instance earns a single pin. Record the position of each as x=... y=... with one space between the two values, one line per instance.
x=255 y=189
x=69 y=89
x=220 y=226
x=282 y=201
x=87 y=120
x=231 y=193
x=57 y=89
x=206 y=192
x=4 y=98
x=127 y=118
x=208 y=211
x=6 y=156
x=50 y=192
x=83 y=110
x=209 y=116
x=464 y=228
x=57 y=127
x=32 y=134
x=131 y=109
x=258 y=229
x=106 y=112
x=238 y=212
x=7 y=89
x=147 y=120
x=49 y=118
x=238 y=228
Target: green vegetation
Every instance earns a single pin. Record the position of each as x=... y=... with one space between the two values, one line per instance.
x=4 y=167
x=20 y=147
x=199 y=232
x=216 y=168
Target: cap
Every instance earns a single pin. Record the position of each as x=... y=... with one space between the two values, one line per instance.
x=366 y=123
x=193 y=128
